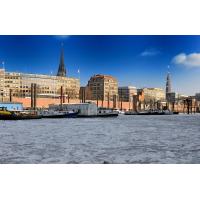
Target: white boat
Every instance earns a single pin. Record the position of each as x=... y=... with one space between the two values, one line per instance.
x=119 y=111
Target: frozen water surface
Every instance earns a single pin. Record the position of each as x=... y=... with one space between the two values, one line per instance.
x=126 y=139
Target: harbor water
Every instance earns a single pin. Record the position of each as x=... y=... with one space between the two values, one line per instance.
x=125 y=139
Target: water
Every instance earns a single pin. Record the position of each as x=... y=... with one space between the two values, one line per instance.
x=126 y=139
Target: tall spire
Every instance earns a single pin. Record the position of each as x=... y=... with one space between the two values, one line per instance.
x=168 y=83
x=61 y=69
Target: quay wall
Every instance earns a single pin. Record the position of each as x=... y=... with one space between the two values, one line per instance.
x=45 y=102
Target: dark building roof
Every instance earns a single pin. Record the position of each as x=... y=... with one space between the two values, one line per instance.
x=61 y=69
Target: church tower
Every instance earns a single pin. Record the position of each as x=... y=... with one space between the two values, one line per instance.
x=61 y=69
x=168 y=84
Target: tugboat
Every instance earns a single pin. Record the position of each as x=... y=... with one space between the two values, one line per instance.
x=17 y=115
x=58 y=114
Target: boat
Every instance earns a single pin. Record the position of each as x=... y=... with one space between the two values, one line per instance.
x=101 y=112
x=130 y=113
x=58 y=114
x=157 y=112
x=104 y=112
x=121 y=112
x=152 y=112
x=17 y=115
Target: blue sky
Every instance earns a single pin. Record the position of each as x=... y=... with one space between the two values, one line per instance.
x=140 y=61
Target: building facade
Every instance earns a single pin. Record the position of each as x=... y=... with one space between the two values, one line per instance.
x=126 y=93
x=19 y=84
x=197 y=96
x=153 y=94
x=102 y=87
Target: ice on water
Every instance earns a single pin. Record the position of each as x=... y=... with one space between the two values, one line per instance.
x=126 y=139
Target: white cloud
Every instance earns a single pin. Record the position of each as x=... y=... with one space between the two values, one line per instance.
x=191 y=60
x=150 y=52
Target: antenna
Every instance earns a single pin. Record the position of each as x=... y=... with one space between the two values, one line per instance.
x=168 y=68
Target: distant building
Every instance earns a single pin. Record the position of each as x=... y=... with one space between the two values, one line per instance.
x=197 y=96
x=102 y=87
x=126 y=93
x=84 y=94
x=19 y=84
x=153 y=94
x=172 y=97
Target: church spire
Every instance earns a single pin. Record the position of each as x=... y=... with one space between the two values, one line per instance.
x=168 y=83
x=61 y=69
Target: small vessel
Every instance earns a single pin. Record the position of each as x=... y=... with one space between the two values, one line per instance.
x=157 y=112
x=104 y=112
x=101 y=112
x=17 y=115
x=152 y=112
x=119 y=111
x=130 y=113
x=58 y=114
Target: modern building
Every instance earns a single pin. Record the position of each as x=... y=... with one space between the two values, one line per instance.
x=153 y=94
x=102 y=87
x=126 y=93
x=19 y=84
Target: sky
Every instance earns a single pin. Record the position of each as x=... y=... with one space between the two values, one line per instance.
x=140 y=61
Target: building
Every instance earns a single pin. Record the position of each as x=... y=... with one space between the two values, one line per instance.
x=102 y=87
x=197 y=96
x=19 y=84
x=85 y=109
x=84 y=94
x=172 y=97
x=126 y=93
x=153 y=94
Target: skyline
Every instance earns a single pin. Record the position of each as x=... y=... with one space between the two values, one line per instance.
x=140 y=61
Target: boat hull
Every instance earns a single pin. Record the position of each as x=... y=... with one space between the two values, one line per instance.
x=14 y=117
x=66 y=115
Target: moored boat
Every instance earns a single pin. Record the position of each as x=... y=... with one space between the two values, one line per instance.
x=17 y=115
x=130 y=113
x=58 y=114
x=121 y=112
x=103 y=112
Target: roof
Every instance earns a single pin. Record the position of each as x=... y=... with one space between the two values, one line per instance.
x=103 y=76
